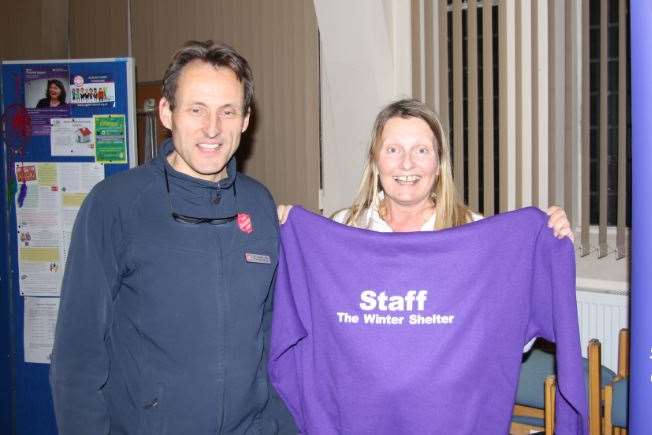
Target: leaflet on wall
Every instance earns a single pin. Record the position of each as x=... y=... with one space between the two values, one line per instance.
x=72 y=137
x=47 y=95
x=39 y=326
x=52 y=197
x=93 y=90
x=110 y=139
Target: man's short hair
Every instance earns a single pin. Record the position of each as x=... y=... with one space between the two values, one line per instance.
x=218 y=55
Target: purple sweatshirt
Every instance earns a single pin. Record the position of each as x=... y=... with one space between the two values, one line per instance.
x=420 y=333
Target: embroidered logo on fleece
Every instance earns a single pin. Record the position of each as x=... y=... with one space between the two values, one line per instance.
x=244 y=223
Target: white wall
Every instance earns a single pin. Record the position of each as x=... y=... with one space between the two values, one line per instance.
x=365 y=64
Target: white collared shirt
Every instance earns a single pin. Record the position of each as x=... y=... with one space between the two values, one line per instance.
x=371 y=220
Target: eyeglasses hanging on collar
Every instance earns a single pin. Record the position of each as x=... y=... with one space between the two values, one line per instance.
x=178 y=217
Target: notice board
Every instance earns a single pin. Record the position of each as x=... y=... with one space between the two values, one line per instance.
x=66 y=125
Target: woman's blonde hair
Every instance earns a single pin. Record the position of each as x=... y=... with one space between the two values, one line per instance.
x=449 y=208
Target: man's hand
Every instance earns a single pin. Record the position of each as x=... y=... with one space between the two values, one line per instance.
x=559 y=223
x=284 y=210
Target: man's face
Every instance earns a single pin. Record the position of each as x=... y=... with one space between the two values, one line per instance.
x=207 y=121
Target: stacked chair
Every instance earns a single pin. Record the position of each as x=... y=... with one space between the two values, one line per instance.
x=535 y=399
x=615 y=393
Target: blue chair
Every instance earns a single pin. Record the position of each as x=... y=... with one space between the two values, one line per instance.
x=534 y=405
x=536 y=381
x=615 y=407
x=616 y=393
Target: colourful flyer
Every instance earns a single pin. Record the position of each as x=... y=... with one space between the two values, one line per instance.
x=92 y=90
x=110 y=139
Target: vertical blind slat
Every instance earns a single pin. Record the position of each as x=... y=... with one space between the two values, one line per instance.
x=416 y=48
x=472 y=62
x=502 y=106
x=570 y=101
x=458 y=95
x=622 y=128
x=535 y=102
x=586 y=116
x=552 y=105
x=603 y=177
x=518 y=82
x=429 y=53
x=487 y=110
x=443 y=68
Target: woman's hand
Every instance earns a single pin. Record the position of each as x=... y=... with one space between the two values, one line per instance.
x=284 y=210
x=559 y=223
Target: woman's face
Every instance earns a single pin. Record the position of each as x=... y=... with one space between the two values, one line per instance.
x=407 y=161
x=54 y=92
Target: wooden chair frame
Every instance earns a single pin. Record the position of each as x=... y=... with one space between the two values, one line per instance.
x=623 y=372
x=548 y=413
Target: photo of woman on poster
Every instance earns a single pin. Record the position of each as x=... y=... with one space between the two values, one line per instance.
x=55 y=95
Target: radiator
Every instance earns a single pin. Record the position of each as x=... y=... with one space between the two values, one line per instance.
x=602 y=314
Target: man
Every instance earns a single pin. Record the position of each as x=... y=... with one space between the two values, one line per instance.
x=166 y=298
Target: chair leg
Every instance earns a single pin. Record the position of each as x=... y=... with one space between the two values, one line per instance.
x=549 y=397
x=594 y=387
x=623 y=353
x=608 y=405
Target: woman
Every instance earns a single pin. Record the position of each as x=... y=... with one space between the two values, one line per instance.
x=55 y=96
x=407 y=182
x=407 y=185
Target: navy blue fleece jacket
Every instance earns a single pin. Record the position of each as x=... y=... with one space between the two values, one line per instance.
x=163 y=325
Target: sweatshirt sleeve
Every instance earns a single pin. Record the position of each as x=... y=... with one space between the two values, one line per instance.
x=288 y=331
x=80 y=363
x=554 y=318
x=276 y=407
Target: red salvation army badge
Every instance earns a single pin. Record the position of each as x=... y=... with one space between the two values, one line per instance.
x=244 y=223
